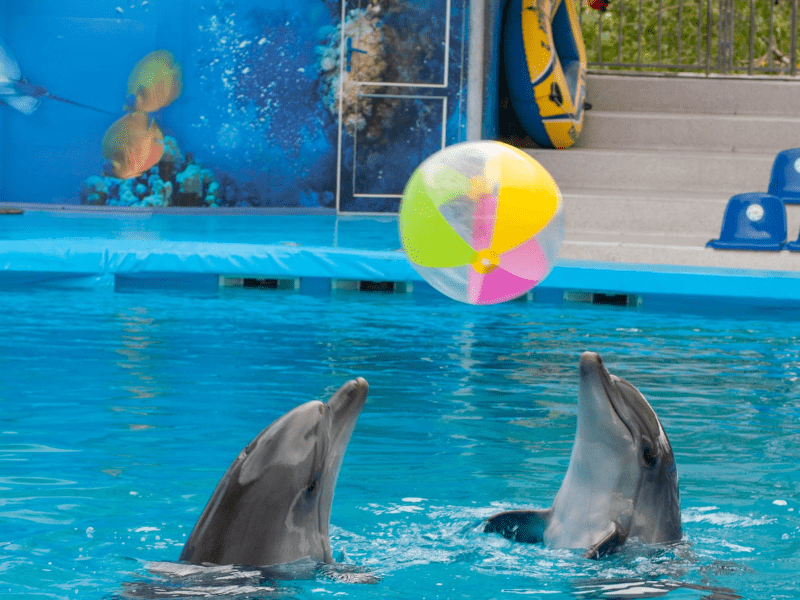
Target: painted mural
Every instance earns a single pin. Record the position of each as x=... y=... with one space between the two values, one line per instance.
x=243 y=103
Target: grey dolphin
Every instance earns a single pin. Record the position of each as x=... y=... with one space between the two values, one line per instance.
x=273 y=505
x=621 y=481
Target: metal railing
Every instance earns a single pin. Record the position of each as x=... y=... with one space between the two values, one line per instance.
x=704 y=36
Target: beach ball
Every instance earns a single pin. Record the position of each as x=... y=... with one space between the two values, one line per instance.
x=482 y=222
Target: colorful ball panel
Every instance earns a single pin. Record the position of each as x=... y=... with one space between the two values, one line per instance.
x=482 y=222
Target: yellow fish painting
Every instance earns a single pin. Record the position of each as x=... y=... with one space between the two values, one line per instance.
x=133 y=144
x=155 y=82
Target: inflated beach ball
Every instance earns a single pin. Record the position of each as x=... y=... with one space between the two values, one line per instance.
x=482 y=222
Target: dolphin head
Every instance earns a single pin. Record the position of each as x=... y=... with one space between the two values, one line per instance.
x=273 y=505
x=621 y=481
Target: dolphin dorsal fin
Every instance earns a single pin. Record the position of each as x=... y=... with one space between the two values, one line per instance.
x=520 y=525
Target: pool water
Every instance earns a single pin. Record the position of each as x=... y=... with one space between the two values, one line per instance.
x=120 y=412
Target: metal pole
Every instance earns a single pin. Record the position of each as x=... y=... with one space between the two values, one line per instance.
x=476 y=59
x=722 y=54
x=600 y=37
x=699 y=32
x=752 y=51
x=793 y=40
x=731 y=21
x=639 y=55
x=658 y=50
x=771 y=39
x=680 y=29
x=708 y=37
x=619 y=34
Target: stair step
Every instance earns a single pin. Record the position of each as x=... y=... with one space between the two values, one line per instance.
x=683 y=172
x=687 y=217
x=710 y=133
x=695 y=95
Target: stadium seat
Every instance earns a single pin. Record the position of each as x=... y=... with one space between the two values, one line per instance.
x=784 y=182
x=752 y=221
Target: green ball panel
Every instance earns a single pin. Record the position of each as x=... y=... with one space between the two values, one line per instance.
x=427 y=237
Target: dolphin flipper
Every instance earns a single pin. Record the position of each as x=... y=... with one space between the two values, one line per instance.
x=609 y=544
x=520 y=525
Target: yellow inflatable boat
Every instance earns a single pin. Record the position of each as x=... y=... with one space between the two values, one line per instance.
x=545 y=63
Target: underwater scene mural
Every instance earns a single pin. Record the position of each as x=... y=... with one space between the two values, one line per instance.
x=227 y=103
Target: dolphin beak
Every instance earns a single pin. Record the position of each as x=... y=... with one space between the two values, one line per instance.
x=592 y=363
x=593 y=373
x=346 y=404
x=600 y=403
x=343 y=410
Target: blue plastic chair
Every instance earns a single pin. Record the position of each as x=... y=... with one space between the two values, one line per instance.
x=753 y=221
x=784 y=182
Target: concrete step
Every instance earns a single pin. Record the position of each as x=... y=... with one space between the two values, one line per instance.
x=680 y=216
x=667 y=229
x=672 y=172
x=668 y=251
x=694 y=95
x=672 y=131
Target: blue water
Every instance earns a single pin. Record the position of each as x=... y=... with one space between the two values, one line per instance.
x=120 y=412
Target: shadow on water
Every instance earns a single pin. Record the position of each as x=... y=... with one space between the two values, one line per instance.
x=234 y=582
x=623 y=588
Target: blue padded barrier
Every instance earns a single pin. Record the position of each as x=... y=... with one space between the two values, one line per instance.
x=784 y=182
x=160 y=257
x=752 y=221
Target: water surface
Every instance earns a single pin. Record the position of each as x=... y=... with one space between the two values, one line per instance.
x=120 y=412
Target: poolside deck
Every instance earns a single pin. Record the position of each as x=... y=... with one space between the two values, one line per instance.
x=648 y=228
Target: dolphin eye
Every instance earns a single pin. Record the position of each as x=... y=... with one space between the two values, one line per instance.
x=648 y=455
x=312 y=487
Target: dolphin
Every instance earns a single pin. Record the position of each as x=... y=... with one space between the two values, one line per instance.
x=273 y=505
x=621 y=482
x=19 y=93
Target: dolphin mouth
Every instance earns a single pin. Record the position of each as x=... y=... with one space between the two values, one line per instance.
x=592 y=365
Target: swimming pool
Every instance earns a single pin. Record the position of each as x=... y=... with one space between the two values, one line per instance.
x=120 y=412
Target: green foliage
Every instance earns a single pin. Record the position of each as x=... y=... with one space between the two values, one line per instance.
x=658 y=35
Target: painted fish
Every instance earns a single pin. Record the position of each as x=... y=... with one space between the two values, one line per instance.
x=155 y=82
x=133 y=144
x=18 y=93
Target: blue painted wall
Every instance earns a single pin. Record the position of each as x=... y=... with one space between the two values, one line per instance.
x=253 y=109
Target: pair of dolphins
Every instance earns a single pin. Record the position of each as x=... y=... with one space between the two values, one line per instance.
x=273 y=504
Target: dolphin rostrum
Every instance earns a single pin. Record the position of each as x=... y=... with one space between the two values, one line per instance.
x=273 y=505
x=621 y=481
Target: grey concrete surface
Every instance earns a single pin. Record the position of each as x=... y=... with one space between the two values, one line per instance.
x=658 y=160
